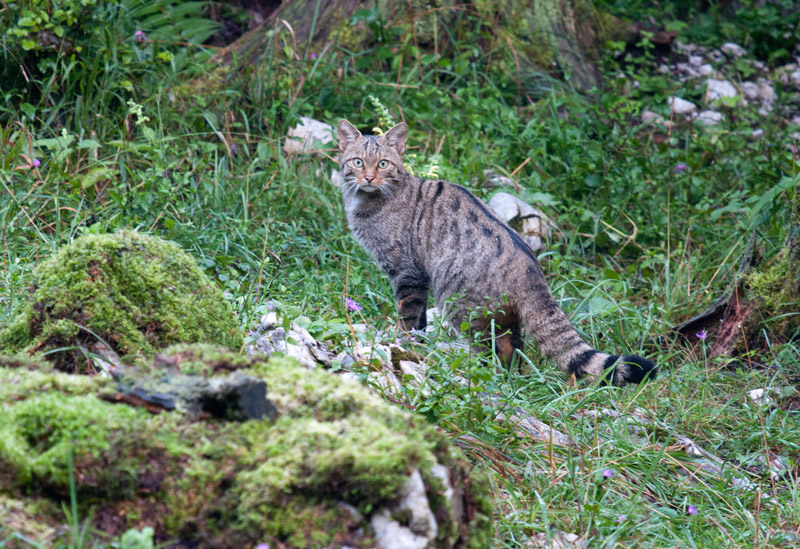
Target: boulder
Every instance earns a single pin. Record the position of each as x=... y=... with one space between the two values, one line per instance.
x=309 y=136
x=534 y=226
x=125 y=294
x=335 y=466
x=716 y=89
x=681 y=106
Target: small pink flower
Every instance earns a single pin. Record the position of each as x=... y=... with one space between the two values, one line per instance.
x=621 y=518
x=680 y=168
x=691 y=510
x=262 y=546
x=139 y=36
x=608 y=473
x=352 y=304
x=36 y=163
x=313 y=55
x=701 y=335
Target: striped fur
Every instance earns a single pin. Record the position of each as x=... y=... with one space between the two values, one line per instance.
x=434 y=235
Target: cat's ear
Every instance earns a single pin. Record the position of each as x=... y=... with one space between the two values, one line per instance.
x=396 y=138
x=347 y=134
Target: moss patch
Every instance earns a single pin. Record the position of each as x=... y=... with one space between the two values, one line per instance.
x=135 y=292
x=309 y=479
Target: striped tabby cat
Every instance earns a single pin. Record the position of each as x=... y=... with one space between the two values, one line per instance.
x=436 y=235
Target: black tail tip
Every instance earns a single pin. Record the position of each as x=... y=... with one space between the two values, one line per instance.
x=629 y=369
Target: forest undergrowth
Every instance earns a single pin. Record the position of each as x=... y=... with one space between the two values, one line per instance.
x=123 y=132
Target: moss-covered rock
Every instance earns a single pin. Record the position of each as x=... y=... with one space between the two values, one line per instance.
x=335 y=459
x=133 y=292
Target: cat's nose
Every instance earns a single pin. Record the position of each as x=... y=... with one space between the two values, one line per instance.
x=369 y=177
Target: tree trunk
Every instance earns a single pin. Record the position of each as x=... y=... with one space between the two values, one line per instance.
x=764 y=299
x=564 y=36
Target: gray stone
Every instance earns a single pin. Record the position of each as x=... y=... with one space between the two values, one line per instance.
x=795 y=78
x=758 y=133
x=508 y=207
x=413 y=507
x=681 y=106
x=296 y=343
x=750 y=90
x=535 y=227
x=695 y=60
x=308 y=136
x=733 y=50
x=493 y=179
x=719 y=88
x=705 y=70
x=650 y=116
x=766 y=92
x=710 y=118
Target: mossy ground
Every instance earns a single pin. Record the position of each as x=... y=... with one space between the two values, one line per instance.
x=134 y=292
x=223 y=484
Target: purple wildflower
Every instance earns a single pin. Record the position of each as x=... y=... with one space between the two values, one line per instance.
x=608 y=473
x=691 y=510
x=352 y=304
x=701 y=335
x=262 y=546
x=36 y=163
x=621 y=518
x=139 y=36
x=313 y=55
x=680 y=168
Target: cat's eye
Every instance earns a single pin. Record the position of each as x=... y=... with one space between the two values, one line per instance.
x=383 y=164
x=357 y=162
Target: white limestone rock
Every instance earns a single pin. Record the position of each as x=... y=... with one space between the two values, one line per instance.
x=681 y=106
x=733 y=50
x=716 y=89
x=710 y=118
x=308 y=136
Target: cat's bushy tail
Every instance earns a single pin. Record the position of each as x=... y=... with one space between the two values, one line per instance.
x=558 y=340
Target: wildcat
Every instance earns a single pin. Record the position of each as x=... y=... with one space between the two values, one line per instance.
x=437 y=235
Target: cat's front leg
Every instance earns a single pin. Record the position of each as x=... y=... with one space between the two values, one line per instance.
x=411 y=288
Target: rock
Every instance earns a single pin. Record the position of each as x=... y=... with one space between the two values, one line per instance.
x=681 y=106
x=766 y=92
x=794 y=78
x=336 y=458
x=650 y=116
x=308 y=136
x=695 y=60
x=759 y=396
x=750 y=90
x=414 y=510
x=758 y=133
x=534 y=226
x=336 y=178
x=508 y=207
x=716 y=56
x=710 y=118
x=296 y=343
x=557 y=540
x=733 y=50
x=135 y=292
x=719 y=88
x=493 y=179
x=705 y=70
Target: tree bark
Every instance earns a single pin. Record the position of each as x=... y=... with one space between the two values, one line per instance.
x=765 y=298
x=564 y=36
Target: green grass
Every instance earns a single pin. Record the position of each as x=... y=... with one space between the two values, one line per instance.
x=207 y=171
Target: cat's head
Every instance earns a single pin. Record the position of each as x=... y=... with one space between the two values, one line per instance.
x=372 y=163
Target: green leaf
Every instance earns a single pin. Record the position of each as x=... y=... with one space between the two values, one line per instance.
x=88 y=144
x=94 y=175
x=28 y=44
